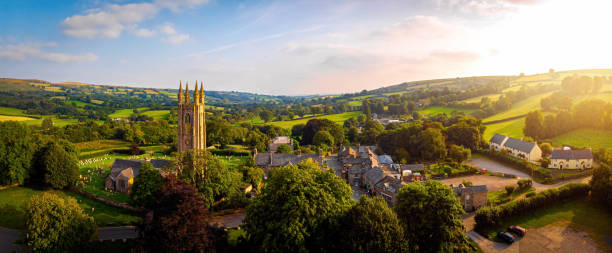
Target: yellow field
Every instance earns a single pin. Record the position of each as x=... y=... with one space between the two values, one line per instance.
x=14 y=118
x=493 y=97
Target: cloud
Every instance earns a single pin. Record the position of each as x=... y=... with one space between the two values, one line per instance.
x=143 y=32
x=417 y=27
x=22 y=52
x=455 y=56
x=171 y=35
x=110 y=21
x=485 y=7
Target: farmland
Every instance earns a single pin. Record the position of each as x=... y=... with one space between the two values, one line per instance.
x=513 y=128
x=587 y=138
x=338 y=118
x=434 y=110
x=520 y=108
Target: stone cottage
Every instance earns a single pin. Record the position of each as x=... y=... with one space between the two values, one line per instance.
x=124 y=171
x=571 y=159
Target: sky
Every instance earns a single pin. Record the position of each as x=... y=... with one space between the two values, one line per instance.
x=297 y=47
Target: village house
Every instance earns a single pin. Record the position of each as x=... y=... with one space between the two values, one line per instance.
x=356 y=160
x=571 y=159
x=529 y=151
x=124 y=171
x=268 y=161
x=471 y=197
x=388 y=188
x=280 y=140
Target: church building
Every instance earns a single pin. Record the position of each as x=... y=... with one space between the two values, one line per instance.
x=191 y=119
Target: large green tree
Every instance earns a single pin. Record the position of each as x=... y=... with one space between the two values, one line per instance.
x=371 y=218
x=55 y=224
x=293 y=209
x=601 y=185
x=17 y=147
x=534 y=125
x=146 y=185
x=57 y=165
x=431 y=145
x=432 y=218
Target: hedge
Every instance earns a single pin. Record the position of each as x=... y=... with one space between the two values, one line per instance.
x=228 y=152
x=492 y=216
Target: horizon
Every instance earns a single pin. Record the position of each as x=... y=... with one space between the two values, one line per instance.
x=299 y=48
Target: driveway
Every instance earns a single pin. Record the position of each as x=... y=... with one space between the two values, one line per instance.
x=229 y=220
x=493 y=166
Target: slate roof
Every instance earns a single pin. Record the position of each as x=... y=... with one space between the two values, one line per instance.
x=520 y=145
x=281 y=140
x=385 y=159
x=571 y=154
x=419 y=166
x=263 y=159
x=122 y=164
x=476 y=189
x=497 y=139
x=374 y=174
x=394 y=184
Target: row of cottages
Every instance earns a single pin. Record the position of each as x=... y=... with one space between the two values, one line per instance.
x=529 y=151
x=124 y=171
x=269 y=160
x=356 y=160
x=571 y=159
x=471 y=197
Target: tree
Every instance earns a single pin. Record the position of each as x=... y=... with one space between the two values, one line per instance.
x=283 y=149
x=546 y=149
x=252 y=175
x=17 y=147
x=59 y=167
x=322 y=138
x=458 y=153
x=291 y=210
x=315 y=125
x=146 y=185
x=47 y=123
x=56 y=224
x=258 y=140
x=464 y=135
x=134 y=149
x=209 y=175
x=432 y=218
x=371 y=131
x=601 y=185
x=431 y=144
x=534 y=125
x=178 y=220
x=352 y=134
x=266 y=115
x=371 y=218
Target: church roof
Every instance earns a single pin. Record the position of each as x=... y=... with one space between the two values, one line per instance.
x=121 y=164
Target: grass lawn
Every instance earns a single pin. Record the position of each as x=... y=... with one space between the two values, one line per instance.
x=233 y=161
x=10 y=111
x=581 y=214
x=12 y=211
x=434 y=110
x=585 y=138
x=502 y=196
x=520 y=108
x=513 y=128
x=338 y=118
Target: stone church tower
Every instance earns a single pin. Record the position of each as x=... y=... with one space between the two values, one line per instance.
x=191 y=119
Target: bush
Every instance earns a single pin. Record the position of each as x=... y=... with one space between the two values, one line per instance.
x=228 y=152
x=489 y=217
x=530 y=194
x=467 y=183
x=524 y=183
x=510 y=189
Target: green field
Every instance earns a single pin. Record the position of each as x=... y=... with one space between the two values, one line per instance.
x=158 y=114
x=338 y=118
x=434 y=110
x=492 y=97
x=520 y=108
x=587 y=138
x=10 y=111
x=125 y=113
x=513 y=128
x=355 y=103
x=577 y=214
x=78 y=103
x=12 y=202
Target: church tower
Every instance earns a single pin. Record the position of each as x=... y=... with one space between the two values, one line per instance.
x=191 y=119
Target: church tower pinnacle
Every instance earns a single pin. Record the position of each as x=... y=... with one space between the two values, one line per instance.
x=180 y=93
x=191 y=119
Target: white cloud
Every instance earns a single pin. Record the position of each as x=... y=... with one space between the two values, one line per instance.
x=110 y=21
x=22 y=52
x=485 y=7
x=172 y=36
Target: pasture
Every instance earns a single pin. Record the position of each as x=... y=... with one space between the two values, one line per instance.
x=520 y=108
x=10 y=111
x=513 y=128
x=14 y=118
x=435 y=110
x=337 y=118
x=586 y=138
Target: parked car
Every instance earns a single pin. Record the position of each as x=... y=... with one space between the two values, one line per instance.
x=483 y=171
x=507 y=237
x=517 y=230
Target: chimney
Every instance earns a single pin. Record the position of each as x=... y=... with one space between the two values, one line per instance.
x=270 y=158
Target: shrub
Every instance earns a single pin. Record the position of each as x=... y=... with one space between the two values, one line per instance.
x=488 y=217
x=530 y=194
x=228 y=152
x=524 y=183
x=467 y=183
x=510 y=189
